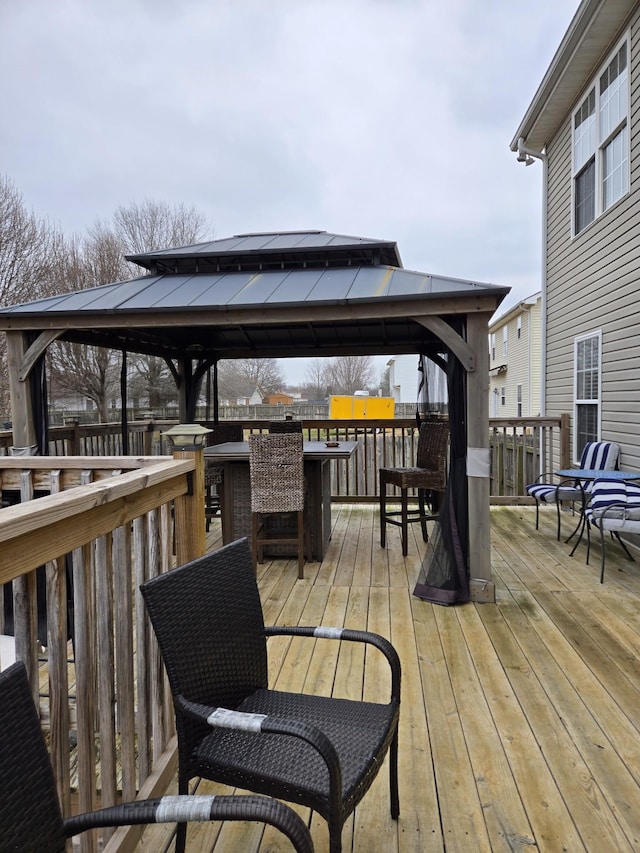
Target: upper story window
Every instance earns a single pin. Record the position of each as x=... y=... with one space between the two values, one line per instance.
x=505 y=340
x=601 y=142
x=492 y=345
x=519 y=327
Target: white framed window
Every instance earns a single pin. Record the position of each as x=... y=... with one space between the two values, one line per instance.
x=587 y=373
x=492 y=345
x=503 y=396
x=600 y=144
x=505 y=339
x=519 y=400
x=519 y=327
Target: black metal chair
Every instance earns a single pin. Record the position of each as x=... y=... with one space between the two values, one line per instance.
x=428 y=477
x=214 y=473
x=320 y=752
x=285 y=426
x=30 y=816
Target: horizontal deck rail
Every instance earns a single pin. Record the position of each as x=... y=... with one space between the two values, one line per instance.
x=521 y=448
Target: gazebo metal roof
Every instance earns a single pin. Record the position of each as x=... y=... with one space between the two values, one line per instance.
x=286 y=294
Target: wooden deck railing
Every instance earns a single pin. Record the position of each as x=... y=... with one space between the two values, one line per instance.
x=91 y=530
x=521 y=448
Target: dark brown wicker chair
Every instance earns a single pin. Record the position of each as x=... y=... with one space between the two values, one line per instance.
x=429 y=478
x=320 y=752
x=285 y=426
x=30 y=816
x=276 y=473
x=214 y=473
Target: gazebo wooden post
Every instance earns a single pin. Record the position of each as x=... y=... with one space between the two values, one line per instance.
x=24 y=431
x=481 y=586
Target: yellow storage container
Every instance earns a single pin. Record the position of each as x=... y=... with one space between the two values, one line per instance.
x=343 y=407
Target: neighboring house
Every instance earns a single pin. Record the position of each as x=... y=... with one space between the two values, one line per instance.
x=582 y=125
x=279 y=399
x=515 y=359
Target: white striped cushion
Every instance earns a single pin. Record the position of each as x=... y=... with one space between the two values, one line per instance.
x=605 y=492
x=600 y=455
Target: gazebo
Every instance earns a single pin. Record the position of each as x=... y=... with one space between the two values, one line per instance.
x=286 y=294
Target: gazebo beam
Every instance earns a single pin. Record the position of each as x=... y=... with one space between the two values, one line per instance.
x=23 y=423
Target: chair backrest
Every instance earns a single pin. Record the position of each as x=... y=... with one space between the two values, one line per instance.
x=285 y=426
x=207 y=617
x=432 y=454
x=600 y=455
x=276 y=472
x=221 y=432
x=30 y=817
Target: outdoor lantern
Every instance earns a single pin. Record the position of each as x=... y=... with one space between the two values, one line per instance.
x=187 y=436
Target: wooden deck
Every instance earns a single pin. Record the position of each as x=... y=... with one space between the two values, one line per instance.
x=520 y=720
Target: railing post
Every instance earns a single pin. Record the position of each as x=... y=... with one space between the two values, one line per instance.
x=565 y=447
x=189 y=510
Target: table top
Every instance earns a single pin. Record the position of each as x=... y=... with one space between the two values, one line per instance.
x=239 y=450
x=598 y=474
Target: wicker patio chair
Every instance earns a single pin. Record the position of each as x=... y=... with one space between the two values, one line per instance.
x=285 y=426
x=429 y=477
x=30 y=815
x=214 y=473
x=276 y=474
x=596 y=455
x=319 y=752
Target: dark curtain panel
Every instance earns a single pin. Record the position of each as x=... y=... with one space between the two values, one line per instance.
x=39 y=402
x=124 y=422
x=444 y=575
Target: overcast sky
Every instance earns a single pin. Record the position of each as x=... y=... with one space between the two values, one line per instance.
x=388 y=119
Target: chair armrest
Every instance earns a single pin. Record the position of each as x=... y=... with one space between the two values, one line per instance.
x=349 y=635
x=227 y=718
x=197 y=807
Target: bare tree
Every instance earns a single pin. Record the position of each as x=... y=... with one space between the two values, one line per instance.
x=27 y=245
x=317 y=378
x=145 y=227
x=350 y=373
x=240 y=377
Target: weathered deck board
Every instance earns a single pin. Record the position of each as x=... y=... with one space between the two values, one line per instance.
x=520 y=721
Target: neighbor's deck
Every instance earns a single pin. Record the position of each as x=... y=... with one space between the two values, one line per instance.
x=520 y=721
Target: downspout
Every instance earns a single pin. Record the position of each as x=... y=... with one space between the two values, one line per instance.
x=526 y=155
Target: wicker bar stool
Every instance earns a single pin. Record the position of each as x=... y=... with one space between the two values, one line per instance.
x=429 y=477
x=276 y=473
x=214 y=473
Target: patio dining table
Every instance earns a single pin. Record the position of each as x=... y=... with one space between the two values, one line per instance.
x=236 y=490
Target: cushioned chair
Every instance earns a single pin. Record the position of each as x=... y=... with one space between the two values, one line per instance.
x=549 y=488
x=276 y=474
x=429 y=477
x=615 y=507
x=214 y=473
x=30 y=816
x=319 y=752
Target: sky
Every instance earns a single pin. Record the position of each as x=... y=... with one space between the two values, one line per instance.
x=386 y=119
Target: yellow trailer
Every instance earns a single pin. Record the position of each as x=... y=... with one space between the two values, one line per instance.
x=358 y=406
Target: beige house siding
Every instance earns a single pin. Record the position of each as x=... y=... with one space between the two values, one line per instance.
x=593 y=285
x=522 y=363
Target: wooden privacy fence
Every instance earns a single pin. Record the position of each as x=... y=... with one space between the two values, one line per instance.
x=100 y=527
x=521 y=448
